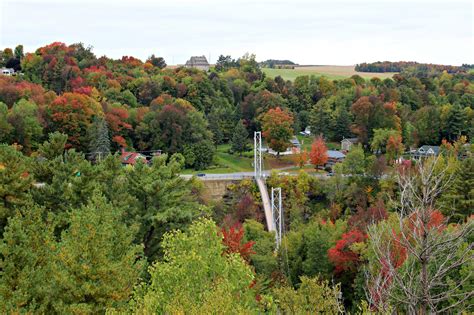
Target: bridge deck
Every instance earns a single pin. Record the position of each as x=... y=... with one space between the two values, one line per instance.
x=266 y=204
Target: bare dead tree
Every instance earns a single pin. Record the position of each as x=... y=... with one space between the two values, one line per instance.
x=420 y=256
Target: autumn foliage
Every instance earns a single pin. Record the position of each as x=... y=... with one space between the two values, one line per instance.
x=364 y=217
x=319 y=152
x=72 y=114
x=233 y=240
x=277 y=128
x=342 y=256
x=300 y=158
x=429 y=220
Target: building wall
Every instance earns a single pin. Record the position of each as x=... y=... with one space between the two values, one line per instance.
x=346 y=145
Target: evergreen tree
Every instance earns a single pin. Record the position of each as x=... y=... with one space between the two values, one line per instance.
x=54 y=147
x=203 y=154
x=99 y=263
x=161 y=201
x=458 y=201
x=27 y=265
x=93 y=266
x=19 y=54
x=5 y=127
x=342 y=124
x=320 y=119
x=15 y=182
x=239 y=138
x=69 y=182
x=454 y=126
x=99 y=145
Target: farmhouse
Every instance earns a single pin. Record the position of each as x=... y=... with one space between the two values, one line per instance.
x=347 y=143
x=425 y=151
x=8 y=71
x=198 y=62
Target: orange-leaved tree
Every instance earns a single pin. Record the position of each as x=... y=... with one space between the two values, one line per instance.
x=300 y=158
x=277 y=129
x=319 y=152
x=72 y=114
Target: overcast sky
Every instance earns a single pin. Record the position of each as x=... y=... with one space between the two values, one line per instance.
x=307 y=32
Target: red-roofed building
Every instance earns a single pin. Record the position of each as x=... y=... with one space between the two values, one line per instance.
x=131 y=158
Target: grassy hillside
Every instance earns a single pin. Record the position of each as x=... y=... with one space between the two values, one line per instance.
x=332 y=72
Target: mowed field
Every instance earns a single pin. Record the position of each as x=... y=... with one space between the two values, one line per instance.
x=331 y=72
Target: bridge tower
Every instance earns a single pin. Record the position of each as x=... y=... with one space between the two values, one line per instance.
x=257 y=148
x=277 y=214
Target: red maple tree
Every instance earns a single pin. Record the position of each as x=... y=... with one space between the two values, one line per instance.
x=233 y=240
x=341 y=255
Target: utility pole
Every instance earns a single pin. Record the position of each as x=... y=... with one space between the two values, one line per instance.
x=257 y=148
x=277 y=214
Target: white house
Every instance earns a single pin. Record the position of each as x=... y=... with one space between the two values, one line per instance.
x=8 y=71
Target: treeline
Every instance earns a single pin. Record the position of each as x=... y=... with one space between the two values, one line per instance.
x=278 y=64
x=399 y=66
x=146 y=106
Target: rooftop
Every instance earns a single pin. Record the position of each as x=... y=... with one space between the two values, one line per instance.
x=333 y=154
x=353 y=140
x=197 y=61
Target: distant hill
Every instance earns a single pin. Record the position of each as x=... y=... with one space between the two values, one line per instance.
x=411 y=66
x=278 y=64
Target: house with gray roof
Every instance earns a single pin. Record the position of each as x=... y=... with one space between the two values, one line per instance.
x=198 y=62
x=425 y=151
x=334 y=157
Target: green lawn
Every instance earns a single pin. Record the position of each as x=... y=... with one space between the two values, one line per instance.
x=307 y=141
x=232 y=162
x=224 y=162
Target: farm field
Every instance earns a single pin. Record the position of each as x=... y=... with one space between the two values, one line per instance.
x=332 y=72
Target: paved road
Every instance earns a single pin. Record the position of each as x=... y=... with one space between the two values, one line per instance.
x=243 y=175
